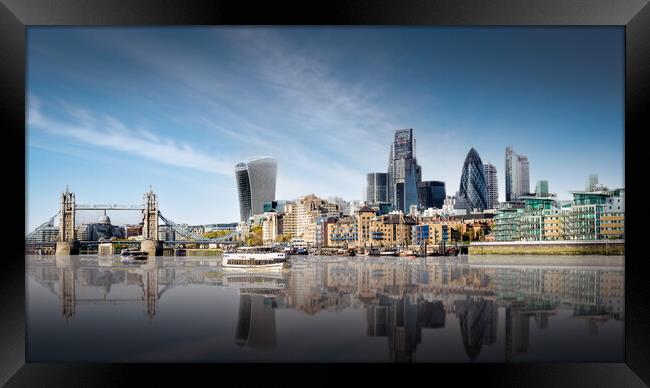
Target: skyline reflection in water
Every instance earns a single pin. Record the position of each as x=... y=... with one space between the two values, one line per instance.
x=325 y=309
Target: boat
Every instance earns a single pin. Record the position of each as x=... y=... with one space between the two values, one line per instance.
x=256 y=258
x=130 y=260
x=134 y=255
x=388 y=253
x=407 y=253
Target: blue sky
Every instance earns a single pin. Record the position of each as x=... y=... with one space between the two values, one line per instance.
x=111 y=111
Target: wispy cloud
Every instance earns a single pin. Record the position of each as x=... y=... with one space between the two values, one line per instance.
x=109 y=132
x=272 y=95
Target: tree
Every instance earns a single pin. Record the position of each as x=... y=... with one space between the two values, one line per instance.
x=255 y=236
x=283 y=238
x=216 y=233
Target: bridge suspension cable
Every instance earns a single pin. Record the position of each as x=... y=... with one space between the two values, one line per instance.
x=44 y=225
x=184 y=231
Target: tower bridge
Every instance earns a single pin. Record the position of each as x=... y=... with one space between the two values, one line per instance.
x=67 y=242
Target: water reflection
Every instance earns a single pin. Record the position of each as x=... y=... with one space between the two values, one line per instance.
x=400 y=300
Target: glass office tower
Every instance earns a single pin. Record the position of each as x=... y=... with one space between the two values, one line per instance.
x=377 y=187
x=431 y=194
x=404 y=174
x=517 y=175
x=492 y=186
x=509 y=154
x=473 y=186
x=255 y=184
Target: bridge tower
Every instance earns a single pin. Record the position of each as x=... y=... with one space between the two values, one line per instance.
x=150 y=287
x=65 y=243
x=150 y=216
x=67 y=267
x=150 y=241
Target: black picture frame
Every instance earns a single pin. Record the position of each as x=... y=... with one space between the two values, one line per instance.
x=16 y=15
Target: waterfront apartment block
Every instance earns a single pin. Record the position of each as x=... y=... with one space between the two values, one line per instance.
x=300 y=217
x=390 y=230
x=592 y=215
x=343 y=233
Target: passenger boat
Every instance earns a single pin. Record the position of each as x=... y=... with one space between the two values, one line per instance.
x=134 y=255
x=256 y=258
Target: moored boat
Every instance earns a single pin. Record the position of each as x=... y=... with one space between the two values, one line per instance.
x=134 y=255
x=256 y=258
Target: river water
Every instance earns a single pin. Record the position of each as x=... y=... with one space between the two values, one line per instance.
x=324 y=309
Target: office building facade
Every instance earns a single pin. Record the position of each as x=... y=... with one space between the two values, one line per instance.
x=492 y=186
x=473 y=186
x=377 y=187
x=592 y=181
x=255 y=185
x=541 y=189
x=517 y=175
x=404 y=173
x=431 y=194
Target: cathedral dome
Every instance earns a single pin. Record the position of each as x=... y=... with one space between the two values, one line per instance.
x=104 y=219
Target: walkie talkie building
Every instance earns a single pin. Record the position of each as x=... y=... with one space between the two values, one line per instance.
x=255 y=184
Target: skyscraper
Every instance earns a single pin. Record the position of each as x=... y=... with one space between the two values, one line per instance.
x=592 y=180
x=509 y=154
x=404 y=173
x=517 y=175
x=541 y=190
x=473 y=187
x=377 y=187
x=492 y=186
x=255 y=185
x=523 y=174
x=431 y=194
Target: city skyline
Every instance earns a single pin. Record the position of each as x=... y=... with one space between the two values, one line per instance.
x=117 y=109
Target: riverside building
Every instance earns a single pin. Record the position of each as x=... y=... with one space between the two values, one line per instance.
x=592 y=215
x=300 y=217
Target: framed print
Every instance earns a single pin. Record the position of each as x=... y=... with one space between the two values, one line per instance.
x=245 y=191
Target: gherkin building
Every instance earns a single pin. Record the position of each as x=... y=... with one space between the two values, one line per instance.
x=473 y=185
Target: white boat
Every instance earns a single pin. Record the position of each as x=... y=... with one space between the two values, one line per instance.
x=130 y=260
x=256 y=258
x=134 y=254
